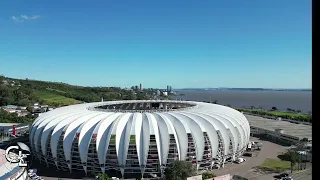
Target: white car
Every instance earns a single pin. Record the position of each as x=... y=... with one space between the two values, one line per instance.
x=240 y=160
x=287 y=178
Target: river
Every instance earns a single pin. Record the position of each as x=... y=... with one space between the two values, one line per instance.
x=297 y=100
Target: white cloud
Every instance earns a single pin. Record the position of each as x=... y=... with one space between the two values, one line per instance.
x=16 y=19
x=23 y=18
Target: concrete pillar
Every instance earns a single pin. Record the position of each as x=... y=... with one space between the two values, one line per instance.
x=212 y=163
x=46 y=162
x=122 y=172
x=224 y=161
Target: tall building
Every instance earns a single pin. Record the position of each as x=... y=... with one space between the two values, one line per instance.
x=169 y=89
x=140 y=86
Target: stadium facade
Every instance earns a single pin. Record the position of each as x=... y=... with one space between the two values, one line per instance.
x=140 y=136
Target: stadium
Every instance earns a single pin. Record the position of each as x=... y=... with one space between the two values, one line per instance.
x=138 y=137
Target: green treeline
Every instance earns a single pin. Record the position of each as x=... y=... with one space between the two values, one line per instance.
x=23 y=92
x=276 y=113
x=6 y=117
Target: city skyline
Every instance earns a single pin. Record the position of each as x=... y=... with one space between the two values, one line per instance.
x=199 y=45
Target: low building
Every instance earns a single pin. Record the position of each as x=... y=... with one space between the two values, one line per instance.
x=23 y=113
x=11 y=107
x=283 y=131
x=10 y=110
x=22 y=107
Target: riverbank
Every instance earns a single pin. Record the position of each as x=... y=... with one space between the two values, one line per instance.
x=276 y=114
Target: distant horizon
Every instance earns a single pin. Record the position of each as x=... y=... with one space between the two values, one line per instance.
x=183 y=88
x=246 y=43
x=217 y=88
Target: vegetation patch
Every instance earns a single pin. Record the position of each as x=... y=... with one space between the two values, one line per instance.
x=283 y=114
x=207 y=175
x=56 y=90
x=6 y=117
x=179 y=170
x=275 y=165
x=112 y=139
x=52 y=98
x=133 y=138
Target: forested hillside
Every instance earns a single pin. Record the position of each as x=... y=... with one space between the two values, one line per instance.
x=26 y=91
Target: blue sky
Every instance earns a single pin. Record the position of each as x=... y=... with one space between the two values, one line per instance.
x=206 y=43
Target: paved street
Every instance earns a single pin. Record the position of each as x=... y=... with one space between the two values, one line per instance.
x=303 y=175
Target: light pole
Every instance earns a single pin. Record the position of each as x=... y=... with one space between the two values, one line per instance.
x=2 y=133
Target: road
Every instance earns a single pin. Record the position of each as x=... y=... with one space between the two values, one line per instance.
x=303 y=175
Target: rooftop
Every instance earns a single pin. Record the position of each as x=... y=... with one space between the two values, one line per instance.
x=8 y=124
x=11 y=107
x=297 y=130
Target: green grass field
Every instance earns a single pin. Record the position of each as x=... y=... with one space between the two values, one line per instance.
x=275 y=113
x=275 y=164
x=50 y=89
x=50 y=97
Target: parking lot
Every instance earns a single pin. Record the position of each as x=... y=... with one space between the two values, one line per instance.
x=247 y=169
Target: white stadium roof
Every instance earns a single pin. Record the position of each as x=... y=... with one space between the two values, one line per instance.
x=86 y=120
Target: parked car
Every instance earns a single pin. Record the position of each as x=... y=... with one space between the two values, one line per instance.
x=240 y=160
x=247 y=154
x=283 y=176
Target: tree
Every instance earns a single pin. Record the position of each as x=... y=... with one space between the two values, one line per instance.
x=24 y=102
x=5 y=97
x=215 y=102
x=29 y=108
x=6 y=117
x=274 y=108
x=179 y=170
x=207 y=175
x=293 y=157
x=6 y=101
x=103 y=176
